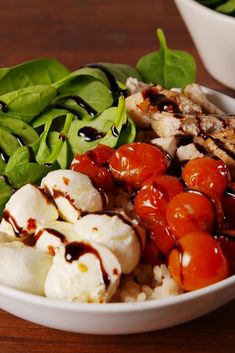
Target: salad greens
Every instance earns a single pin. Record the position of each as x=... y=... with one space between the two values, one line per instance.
x=224 y=6
x=47 y=114
x=166 y=67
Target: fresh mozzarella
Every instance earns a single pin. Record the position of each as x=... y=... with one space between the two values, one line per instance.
x=53 y=235
x=73 y=193
x=26 y=207
x=116 y=234
x=84 y=272
x=23 y=267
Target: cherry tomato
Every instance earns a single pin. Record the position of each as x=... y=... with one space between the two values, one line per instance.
x=162 y=237
x=207 y=173
x=189 y=212
x=94 y=163
x=152 y=200
x=135 y=162
x=197 y=261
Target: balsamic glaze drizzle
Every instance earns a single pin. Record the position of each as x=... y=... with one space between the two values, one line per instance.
x=115 y=89
x=3 y=107
x=74 y=250
x=160 y=101
x=89 y=133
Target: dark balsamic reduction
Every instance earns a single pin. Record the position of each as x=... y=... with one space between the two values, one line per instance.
x=19 y=232
x=52 y=231
x=83 y=104
x=89 y=133
x=66 y=107
x=20 y=141
x=62 y=137
x=160 y=101
x=114 y=130
x=31 y=154
x=74 y=250
x=4 y=156
x=116 y=91
x=221 y=145
x=3 y=107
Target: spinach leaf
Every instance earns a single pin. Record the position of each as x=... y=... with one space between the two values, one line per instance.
x=166 y=67
x=121 y=72
x=96 y=74
x=227 y=8
x=36 y=72
x=111 y=118
x=48 y=115
x=30 y=101
x=25 y=173
x=94 y=93
x=8 y=142
x=19 y=129
x=5 y=193
x=44 y=154
x=127 y=134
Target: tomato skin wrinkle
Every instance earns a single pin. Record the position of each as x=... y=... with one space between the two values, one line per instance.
x=94 y=164
x=135 y=162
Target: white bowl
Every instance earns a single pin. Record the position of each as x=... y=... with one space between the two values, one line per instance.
x=123 y=318
x=214 y=36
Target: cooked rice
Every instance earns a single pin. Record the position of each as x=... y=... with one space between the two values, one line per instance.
x=146 y=283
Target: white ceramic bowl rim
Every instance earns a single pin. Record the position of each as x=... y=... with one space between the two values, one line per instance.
x=115 y=307
x=211 y=12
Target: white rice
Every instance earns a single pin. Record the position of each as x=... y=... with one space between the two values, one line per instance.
x=147 y=283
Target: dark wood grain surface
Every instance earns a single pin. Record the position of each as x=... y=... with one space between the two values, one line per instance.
x=77 y=32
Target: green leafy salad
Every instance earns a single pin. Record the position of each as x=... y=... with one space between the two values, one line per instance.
x=47 y=114
x=226 y=7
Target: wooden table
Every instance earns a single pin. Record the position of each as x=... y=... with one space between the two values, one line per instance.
x=77 y=32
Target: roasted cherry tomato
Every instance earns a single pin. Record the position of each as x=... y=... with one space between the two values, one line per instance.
x=94 y=163
x=162 y=237
x=151 y=201
x=189 y=212
x=207 y=173
x=197 y=261
x=135 y=162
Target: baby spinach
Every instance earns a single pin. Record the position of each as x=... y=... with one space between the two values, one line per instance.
x=44 y=154
x=225 y=6
x=166 y=67
x=121 y=72
x=111 y=118
x=127 y=134
x=228 y=7
x=5 y=194
x=36 y=72
x=19 y=129
x=30 y=101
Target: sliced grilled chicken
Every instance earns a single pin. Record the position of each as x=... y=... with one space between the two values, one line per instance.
x=195 y=93
x=223 y=150
x=141 y=106
x=188 y=152
x=167 y=124
x=167 y=144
